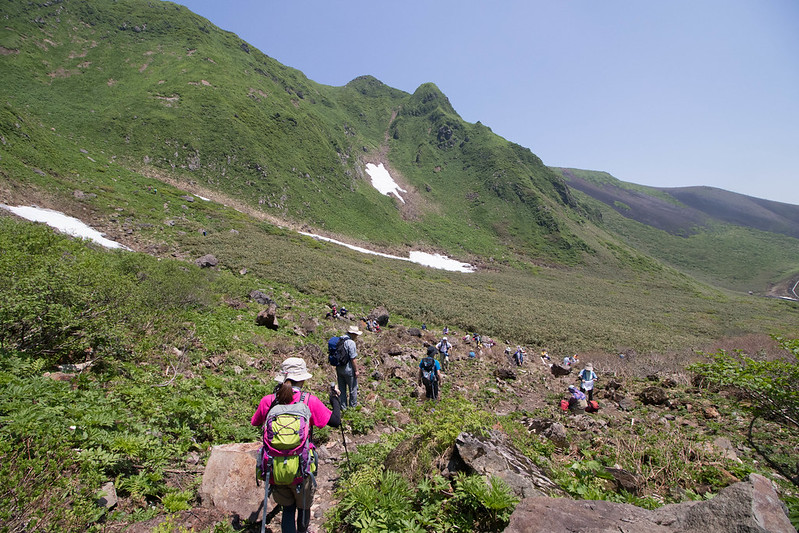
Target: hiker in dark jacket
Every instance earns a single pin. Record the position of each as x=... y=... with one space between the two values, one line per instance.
x=430 y=373
x=296 y=501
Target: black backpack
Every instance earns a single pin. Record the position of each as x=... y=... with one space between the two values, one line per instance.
x=428 y=366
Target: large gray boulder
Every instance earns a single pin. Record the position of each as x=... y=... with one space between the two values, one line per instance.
x=229 y=481
x=207 y=261
x=495 y=455
x=563 y=515
x=746 y=507
x=380 y=314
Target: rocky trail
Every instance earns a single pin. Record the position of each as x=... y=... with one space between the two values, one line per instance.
x=393 y=355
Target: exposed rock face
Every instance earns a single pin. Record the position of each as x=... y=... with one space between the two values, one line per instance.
x=268 y=318
x=562 y=515
x=229 y=481
x=558 y=370
x=628 y=481
x=548 y=428
x=746 y=507
x=207 y=261
x=626 y=404
x=108 y=496
x=261 y=297
x=495 y=455
x=505 y=373
x=381 y=315
x=653 y=396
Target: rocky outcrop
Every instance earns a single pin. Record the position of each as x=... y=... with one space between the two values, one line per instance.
x=261 y=297
x=496 y=456
x=229 y=481
x=268 y=318
x=746 y=507
x=505 y=373
x=207 y=261
x=653 y=396
x=549 y=429
x=558 y=370
x=381 y=315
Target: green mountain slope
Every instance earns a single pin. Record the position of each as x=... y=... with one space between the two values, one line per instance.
x=161 y=90
x=727 y=239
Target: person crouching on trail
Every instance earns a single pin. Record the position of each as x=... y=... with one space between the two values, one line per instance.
x=577 y=402
x=430 y=373
x=295 y=496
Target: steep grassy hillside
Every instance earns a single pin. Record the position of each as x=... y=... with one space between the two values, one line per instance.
x=163 y=92
x=726 y=239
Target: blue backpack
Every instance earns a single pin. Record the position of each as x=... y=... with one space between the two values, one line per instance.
x=336 y=355
x=428 y=366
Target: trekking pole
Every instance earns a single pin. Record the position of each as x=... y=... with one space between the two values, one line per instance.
x=341 y=427
x=266 y=500
x=344 y=440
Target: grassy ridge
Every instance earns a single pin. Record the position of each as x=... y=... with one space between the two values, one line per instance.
x=162 y=88
x=735 y=257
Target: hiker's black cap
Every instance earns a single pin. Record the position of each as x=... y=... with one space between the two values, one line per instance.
x=431 y=350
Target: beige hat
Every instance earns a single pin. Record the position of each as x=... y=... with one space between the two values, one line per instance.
x=589 y=366
x=354 y=331
x=294 y=369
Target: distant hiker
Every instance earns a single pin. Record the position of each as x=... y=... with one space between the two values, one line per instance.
x=343 y=311
x=545 y=358
x=424 y=326
x=347 y=370
x=577 y=402
x=430 y=373
x=293 y=488
x=444 y=346
x=446 y=330
x=587 y=377
x=507 y=350
x=569 y=361
x=518 y=356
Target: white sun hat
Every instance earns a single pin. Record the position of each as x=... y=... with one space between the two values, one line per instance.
x=294 y=369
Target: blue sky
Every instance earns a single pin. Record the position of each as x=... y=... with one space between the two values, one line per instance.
x=669 y=94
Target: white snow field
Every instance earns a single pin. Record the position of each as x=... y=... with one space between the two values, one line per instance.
x=63 y=223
